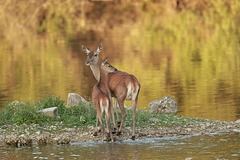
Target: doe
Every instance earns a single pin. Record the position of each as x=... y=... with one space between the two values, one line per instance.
x=102 y=100
x=123 y=86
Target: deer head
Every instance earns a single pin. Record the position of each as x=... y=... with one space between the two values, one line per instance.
x=107 y=67
x=92 y=55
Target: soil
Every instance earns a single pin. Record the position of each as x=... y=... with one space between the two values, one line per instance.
x=34 y=133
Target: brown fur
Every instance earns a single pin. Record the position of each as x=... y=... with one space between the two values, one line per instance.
x=101 y=98
x=118 y=83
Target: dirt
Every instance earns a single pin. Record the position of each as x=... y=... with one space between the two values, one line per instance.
x=30 y=134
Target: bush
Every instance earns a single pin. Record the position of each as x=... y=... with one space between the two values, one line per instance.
x=20 y=113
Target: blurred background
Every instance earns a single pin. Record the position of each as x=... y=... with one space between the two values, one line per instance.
x=188 y=50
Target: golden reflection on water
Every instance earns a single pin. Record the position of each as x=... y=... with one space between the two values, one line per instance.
x=59 y=70
x=190 y=57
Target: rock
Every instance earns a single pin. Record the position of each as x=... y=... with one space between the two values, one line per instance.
x=12 y=140
x=15 y=103
x=75 y=99
x=42 y=139
x=166 y=105
x=63 y=140
x=50 y=112
x=154 y=119
x=25 y=140
x=237 y=121
x=189 y=158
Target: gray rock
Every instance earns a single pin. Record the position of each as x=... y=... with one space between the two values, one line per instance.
x=15 y=103
x=75 y=99
x=166 y=105
x=236 y=130
x=154 y=119
x=50 y=112
x=237 y=121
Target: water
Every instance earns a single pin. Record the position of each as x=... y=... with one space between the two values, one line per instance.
x=192 y=56
x=59 y=70
x=170 y=55
x=211 y=146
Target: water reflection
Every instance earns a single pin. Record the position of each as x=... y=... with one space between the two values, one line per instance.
x=190 y=57
x=210 y=146
x=59 y=70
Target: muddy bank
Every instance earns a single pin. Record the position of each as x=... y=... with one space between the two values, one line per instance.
x=55 y=134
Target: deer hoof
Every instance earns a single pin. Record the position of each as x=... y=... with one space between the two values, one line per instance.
x=133 y=138
x=118 y=133
x=108 y=138
x=119 y=123
x=95 y=134
x=114 y=130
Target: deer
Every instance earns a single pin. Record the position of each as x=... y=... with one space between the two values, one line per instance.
x=101 y=97
x=123 y=86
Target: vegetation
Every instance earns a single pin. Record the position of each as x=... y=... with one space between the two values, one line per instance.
x=81 y=116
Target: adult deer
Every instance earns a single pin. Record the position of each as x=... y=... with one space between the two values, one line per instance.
x=123 y=86
x=101 y=97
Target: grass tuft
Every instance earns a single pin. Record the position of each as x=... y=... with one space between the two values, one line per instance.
x=81 y=116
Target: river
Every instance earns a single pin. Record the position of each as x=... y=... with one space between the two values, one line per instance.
x=191 y=57
x=189 y=52
x=204 y=147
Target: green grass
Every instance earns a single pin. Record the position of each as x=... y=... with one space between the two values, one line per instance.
x=144 y=118
x=81 y=116
x=27 y=113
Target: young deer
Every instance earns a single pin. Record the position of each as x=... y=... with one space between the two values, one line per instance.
x=101 y=97
x=123 y=86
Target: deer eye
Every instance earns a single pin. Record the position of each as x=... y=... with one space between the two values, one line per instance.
x=95 y=55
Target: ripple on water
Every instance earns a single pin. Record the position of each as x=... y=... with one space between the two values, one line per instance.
x=210 y=146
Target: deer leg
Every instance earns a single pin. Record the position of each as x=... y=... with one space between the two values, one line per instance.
x=96 y=129
x=121 y=105
x=102 y=127
x=109 y=125
x=116 y=110
x=106 y=125
x=108 y=119
x=134 y=104
x=113 y=118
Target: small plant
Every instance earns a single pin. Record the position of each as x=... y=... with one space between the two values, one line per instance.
x=50 y=101
x=81 y=116
x=78 y=115
x=20 y=113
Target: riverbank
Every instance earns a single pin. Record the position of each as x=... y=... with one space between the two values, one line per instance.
x=21 y=123
x=56 y=134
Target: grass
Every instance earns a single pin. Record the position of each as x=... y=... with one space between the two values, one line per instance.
x=80 y=116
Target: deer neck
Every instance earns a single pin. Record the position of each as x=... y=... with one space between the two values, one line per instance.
x=103 y=76
x=96 y=70
x=104 y=80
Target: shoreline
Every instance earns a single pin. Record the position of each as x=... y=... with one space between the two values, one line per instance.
x=25 y=135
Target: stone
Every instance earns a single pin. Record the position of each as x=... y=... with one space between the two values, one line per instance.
x=237 y=121
x=236 y=130
x=75 y=99
x=154 y=119
x=15 y=103
x=50 y=112
x=166 y=105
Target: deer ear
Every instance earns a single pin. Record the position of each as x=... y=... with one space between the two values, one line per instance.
x=100 y=47
x=85 y=49
x=104 y=60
